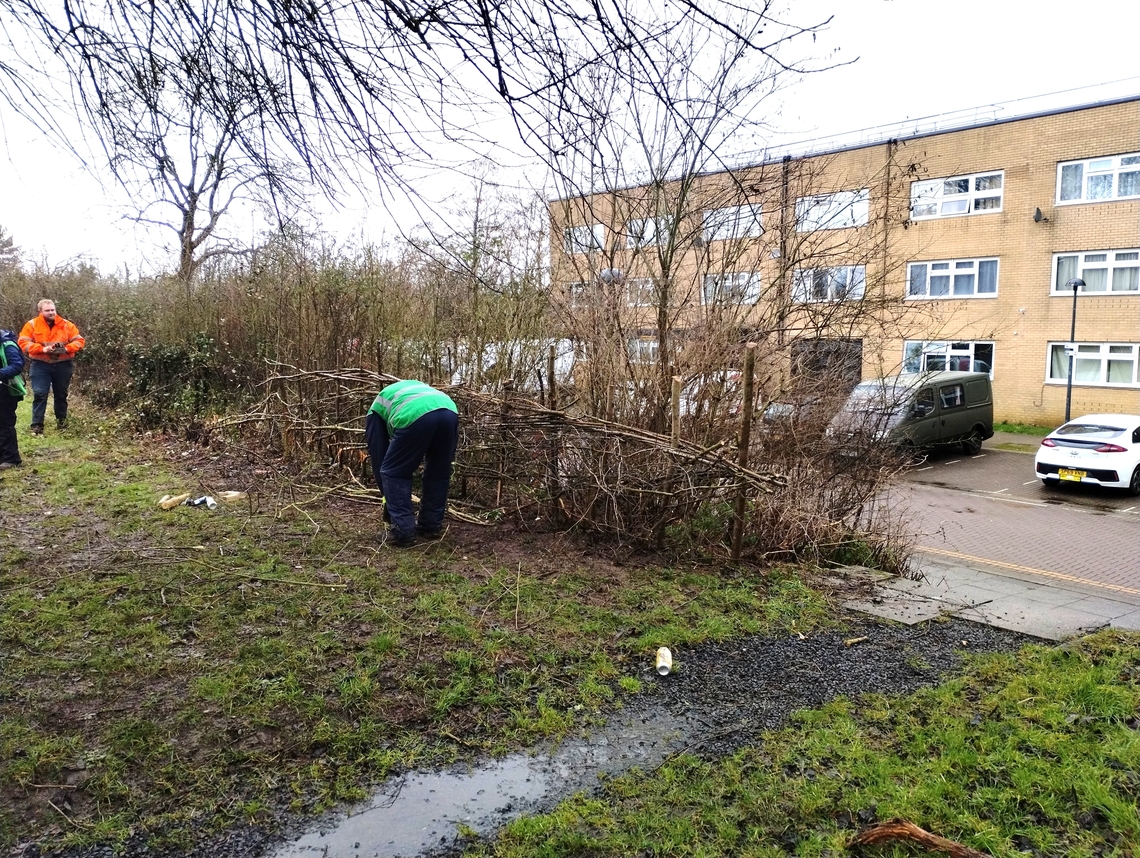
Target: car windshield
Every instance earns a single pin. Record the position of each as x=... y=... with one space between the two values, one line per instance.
x=883 y=399
x=1090 y=429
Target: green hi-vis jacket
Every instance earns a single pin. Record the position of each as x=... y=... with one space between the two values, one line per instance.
x=403 y=403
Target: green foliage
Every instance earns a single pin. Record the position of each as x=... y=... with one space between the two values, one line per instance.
x=173 y=382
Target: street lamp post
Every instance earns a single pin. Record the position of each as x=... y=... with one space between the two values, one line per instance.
x=1076 y=283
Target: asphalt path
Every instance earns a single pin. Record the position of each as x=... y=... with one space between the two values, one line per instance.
x=990 y=510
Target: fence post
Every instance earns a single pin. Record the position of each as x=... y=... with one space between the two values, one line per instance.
x=676 y=411
x=552 y=387
x=747 y=408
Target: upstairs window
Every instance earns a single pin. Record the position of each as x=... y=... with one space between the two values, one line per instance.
x=1111 y=178
x=839 y=283
x=1102 y=271
x=644 y=232
x=732 y=223
x=584 y=239
x=641 y=292
x=731 y=289
x=952 y=278
x=978 y=193
x=832 y=211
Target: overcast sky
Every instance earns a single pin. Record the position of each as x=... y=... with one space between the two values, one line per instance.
x=916 y=61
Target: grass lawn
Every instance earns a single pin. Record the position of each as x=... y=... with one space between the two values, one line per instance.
x=174 y=672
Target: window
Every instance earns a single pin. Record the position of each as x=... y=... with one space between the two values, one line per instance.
x=576 y=292
x=731 y=289
x=979 y=193
x=1101 y=364
x=841 y=283
x=1102 y=271
x=583 y=239
x=952 y=396
x=952 y=278
x=832 y=211
x=641 y=292
x=733 y=222
x=920 y=356
x=646 y=231
x=644 y=349
x=840 y=361
x=1112 y=178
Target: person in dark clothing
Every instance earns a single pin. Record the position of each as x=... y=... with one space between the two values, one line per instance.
x=11 y=367
x=409 y=423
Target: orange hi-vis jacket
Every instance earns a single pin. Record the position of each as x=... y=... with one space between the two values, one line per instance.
x=36 y=334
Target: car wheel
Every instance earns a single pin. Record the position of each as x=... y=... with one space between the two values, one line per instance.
x=972 y=444
x=1134 y=483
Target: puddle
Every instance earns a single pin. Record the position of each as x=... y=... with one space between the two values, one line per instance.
x=422 y=811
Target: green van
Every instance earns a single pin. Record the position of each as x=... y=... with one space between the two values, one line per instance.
x=920 y=410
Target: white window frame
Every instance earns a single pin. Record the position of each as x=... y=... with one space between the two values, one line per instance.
x=1090 y=366
x=937 y=198
x=1116 y=265
x=839 y=210
x=726 y=290
x=646 y=231
x=917 y=354
x=584 y=238
x=640 y=292
x=644 y=349
x=803 y=289
x=953 y=270
x=1091 y=173
x=732 y=222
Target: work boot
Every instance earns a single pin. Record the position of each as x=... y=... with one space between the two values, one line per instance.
x=429 y=533
x=4 y=466
x=61 y=423
x=37 y=429
x=399 y=539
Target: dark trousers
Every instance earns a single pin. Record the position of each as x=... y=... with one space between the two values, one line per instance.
x=395 y=456
x=55 y=377
x=9 y=449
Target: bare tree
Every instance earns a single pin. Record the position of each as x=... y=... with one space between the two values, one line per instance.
x=324 y=83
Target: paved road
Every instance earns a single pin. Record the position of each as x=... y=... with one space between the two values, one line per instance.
x=990 y=510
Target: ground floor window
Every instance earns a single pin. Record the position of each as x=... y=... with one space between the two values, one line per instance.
x=644 y=349
x=838 y=360
x=923 y=356
x=1095 y=364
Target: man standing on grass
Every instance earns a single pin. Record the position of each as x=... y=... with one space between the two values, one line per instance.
x=410 y=422
x=52 y=343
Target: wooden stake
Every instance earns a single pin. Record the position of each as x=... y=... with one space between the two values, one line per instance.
x=742 y=454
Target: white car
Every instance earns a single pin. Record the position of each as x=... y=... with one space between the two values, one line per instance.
x=1097 y=449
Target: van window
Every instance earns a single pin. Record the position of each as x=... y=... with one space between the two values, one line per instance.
x=952 y=396
x=924 y=402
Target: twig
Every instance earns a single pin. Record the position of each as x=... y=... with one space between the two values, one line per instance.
x=900 y=829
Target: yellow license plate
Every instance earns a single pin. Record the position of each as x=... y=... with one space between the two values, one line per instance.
x=1068 y=474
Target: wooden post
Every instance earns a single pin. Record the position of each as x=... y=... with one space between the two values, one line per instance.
x=747 y=407
x=552 y=386
x=504 y=409
x=676 y=411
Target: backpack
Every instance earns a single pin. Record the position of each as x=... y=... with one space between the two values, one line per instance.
x=16 y=388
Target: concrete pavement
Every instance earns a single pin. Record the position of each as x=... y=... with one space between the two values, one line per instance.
x=1049 y=605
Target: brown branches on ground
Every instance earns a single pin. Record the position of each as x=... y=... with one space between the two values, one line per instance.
x=900 y=829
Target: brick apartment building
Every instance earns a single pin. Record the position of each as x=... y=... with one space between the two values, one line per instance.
x=953 y=249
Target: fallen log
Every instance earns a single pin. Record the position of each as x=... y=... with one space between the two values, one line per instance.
x=900 y=829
